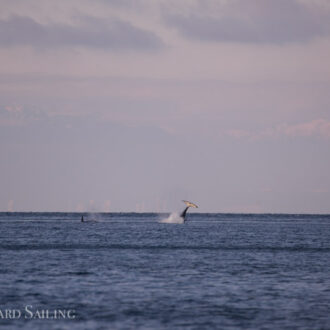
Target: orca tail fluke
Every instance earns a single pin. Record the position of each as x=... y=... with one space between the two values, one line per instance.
x=189 y=204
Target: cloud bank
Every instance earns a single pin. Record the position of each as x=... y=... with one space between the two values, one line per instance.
x=91 y=32
x=255 y=21
x=314 y=128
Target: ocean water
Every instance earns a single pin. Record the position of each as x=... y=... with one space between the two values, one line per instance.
x=128 y=271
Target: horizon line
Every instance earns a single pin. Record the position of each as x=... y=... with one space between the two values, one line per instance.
x=166 y=212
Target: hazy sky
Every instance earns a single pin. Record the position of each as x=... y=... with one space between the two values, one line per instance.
x=133 y=105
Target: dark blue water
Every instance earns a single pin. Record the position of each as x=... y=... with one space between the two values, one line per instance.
x=127 y=271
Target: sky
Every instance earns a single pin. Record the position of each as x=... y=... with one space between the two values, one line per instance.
x=134 y=105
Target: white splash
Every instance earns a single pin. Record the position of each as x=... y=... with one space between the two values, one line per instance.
x=173 y=218
x=94 y=217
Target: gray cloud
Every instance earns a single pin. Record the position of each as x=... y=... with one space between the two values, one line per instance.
x=255 y=21
x=91 y=32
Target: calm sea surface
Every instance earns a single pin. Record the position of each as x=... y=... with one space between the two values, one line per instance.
x=127 y=271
